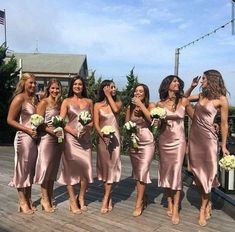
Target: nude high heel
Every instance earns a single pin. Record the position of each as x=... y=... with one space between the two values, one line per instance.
x=202 y=222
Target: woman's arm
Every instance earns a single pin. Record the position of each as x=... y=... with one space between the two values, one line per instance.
x=13 y=115
x=63 y=114
x=97 y=119
x=90 y=125
x=224 y=124
x=128 y=114
x=188 y=107
x=194 y=84
x=115 y=106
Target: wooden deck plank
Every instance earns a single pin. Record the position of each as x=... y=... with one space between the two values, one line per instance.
x=154 y=218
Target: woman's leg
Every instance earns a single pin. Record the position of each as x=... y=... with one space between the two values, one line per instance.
x=140 y=186
x=204 y=203
x=72 y=200
x=81 y=198
x=169 y=201
x=175 y=210
x=45 y=200
x=105 y=203
x=23 y=202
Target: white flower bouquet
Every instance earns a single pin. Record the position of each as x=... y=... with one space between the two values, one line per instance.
x=36 y=120
x=59 y=123
x=157 y=113
x=84 y=118
x=108 y=131
x=227 y=162
x=131 y=129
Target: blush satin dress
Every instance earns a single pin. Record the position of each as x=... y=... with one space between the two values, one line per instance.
x=108 y=165
x=142 y=157
x=77 y=157
x=49 y=151
x=172 y=146
x=25 y=151
x=203 y=146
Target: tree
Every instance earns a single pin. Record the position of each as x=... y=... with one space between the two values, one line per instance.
x=93 y=86
x=124 y=95
x=92 y=90
x=8 y=79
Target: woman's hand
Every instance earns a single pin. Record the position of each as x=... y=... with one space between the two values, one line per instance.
x=106 y=140
x=58 y=133
x=107 y=90
x=225 y=151
x=136 y=101
x=195 y=81
x=32 y=133
x=156 y=122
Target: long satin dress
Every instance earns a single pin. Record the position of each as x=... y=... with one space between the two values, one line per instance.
x=77 y=157
x=172 y=146
x=203 y=146
x=142 y=157
x=108 y=165
x=49 y=151
x=25 y=151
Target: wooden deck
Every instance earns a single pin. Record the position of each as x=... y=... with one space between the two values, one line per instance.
x=154 y=218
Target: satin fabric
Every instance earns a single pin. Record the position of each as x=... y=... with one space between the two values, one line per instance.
x=203 y=146
x=142 y=157
x=77 y=157
x=172 y=146
x=108 y=165
x=49 y=151
x=25 y=151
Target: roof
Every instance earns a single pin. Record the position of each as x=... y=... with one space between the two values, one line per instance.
x=51 y=63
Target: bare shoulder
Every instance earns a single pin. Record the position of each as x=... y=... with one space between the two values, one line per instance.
x=89 y=101
x=43 y=103
x=97 y=105
x=160 y=104
x=223 y=100
x=18 y=99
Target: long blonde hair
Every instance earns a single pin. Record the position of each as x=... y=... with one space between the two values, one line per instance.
x=20 y=87
x=49 y=84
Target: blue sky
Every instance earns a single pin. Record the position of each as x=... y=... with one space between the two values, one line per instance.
x=118 y=35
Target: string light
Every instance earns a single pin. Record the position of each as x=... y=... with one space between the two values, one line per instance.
x=208 y=34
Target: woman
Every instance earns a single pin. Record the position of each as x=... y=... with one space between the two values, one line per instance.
x=108 y=164
x=49 y=150
x=141 y=157
x=203 y=140
x=76 y=159
x=22 y=107
x=172 y=143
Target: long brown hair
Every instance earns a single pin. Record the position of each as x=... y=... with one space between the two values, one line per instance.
x=164 y=87
x=215 y=85
x=146 y=96
x=84 y=91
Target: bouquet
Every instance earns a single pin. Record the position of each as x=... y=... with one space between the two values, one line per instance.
x=84 y=118
x=227 y=162
x=131 y=129
x=36 y=120
x=157 y=113
x=59 y=123
x=108 y=131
